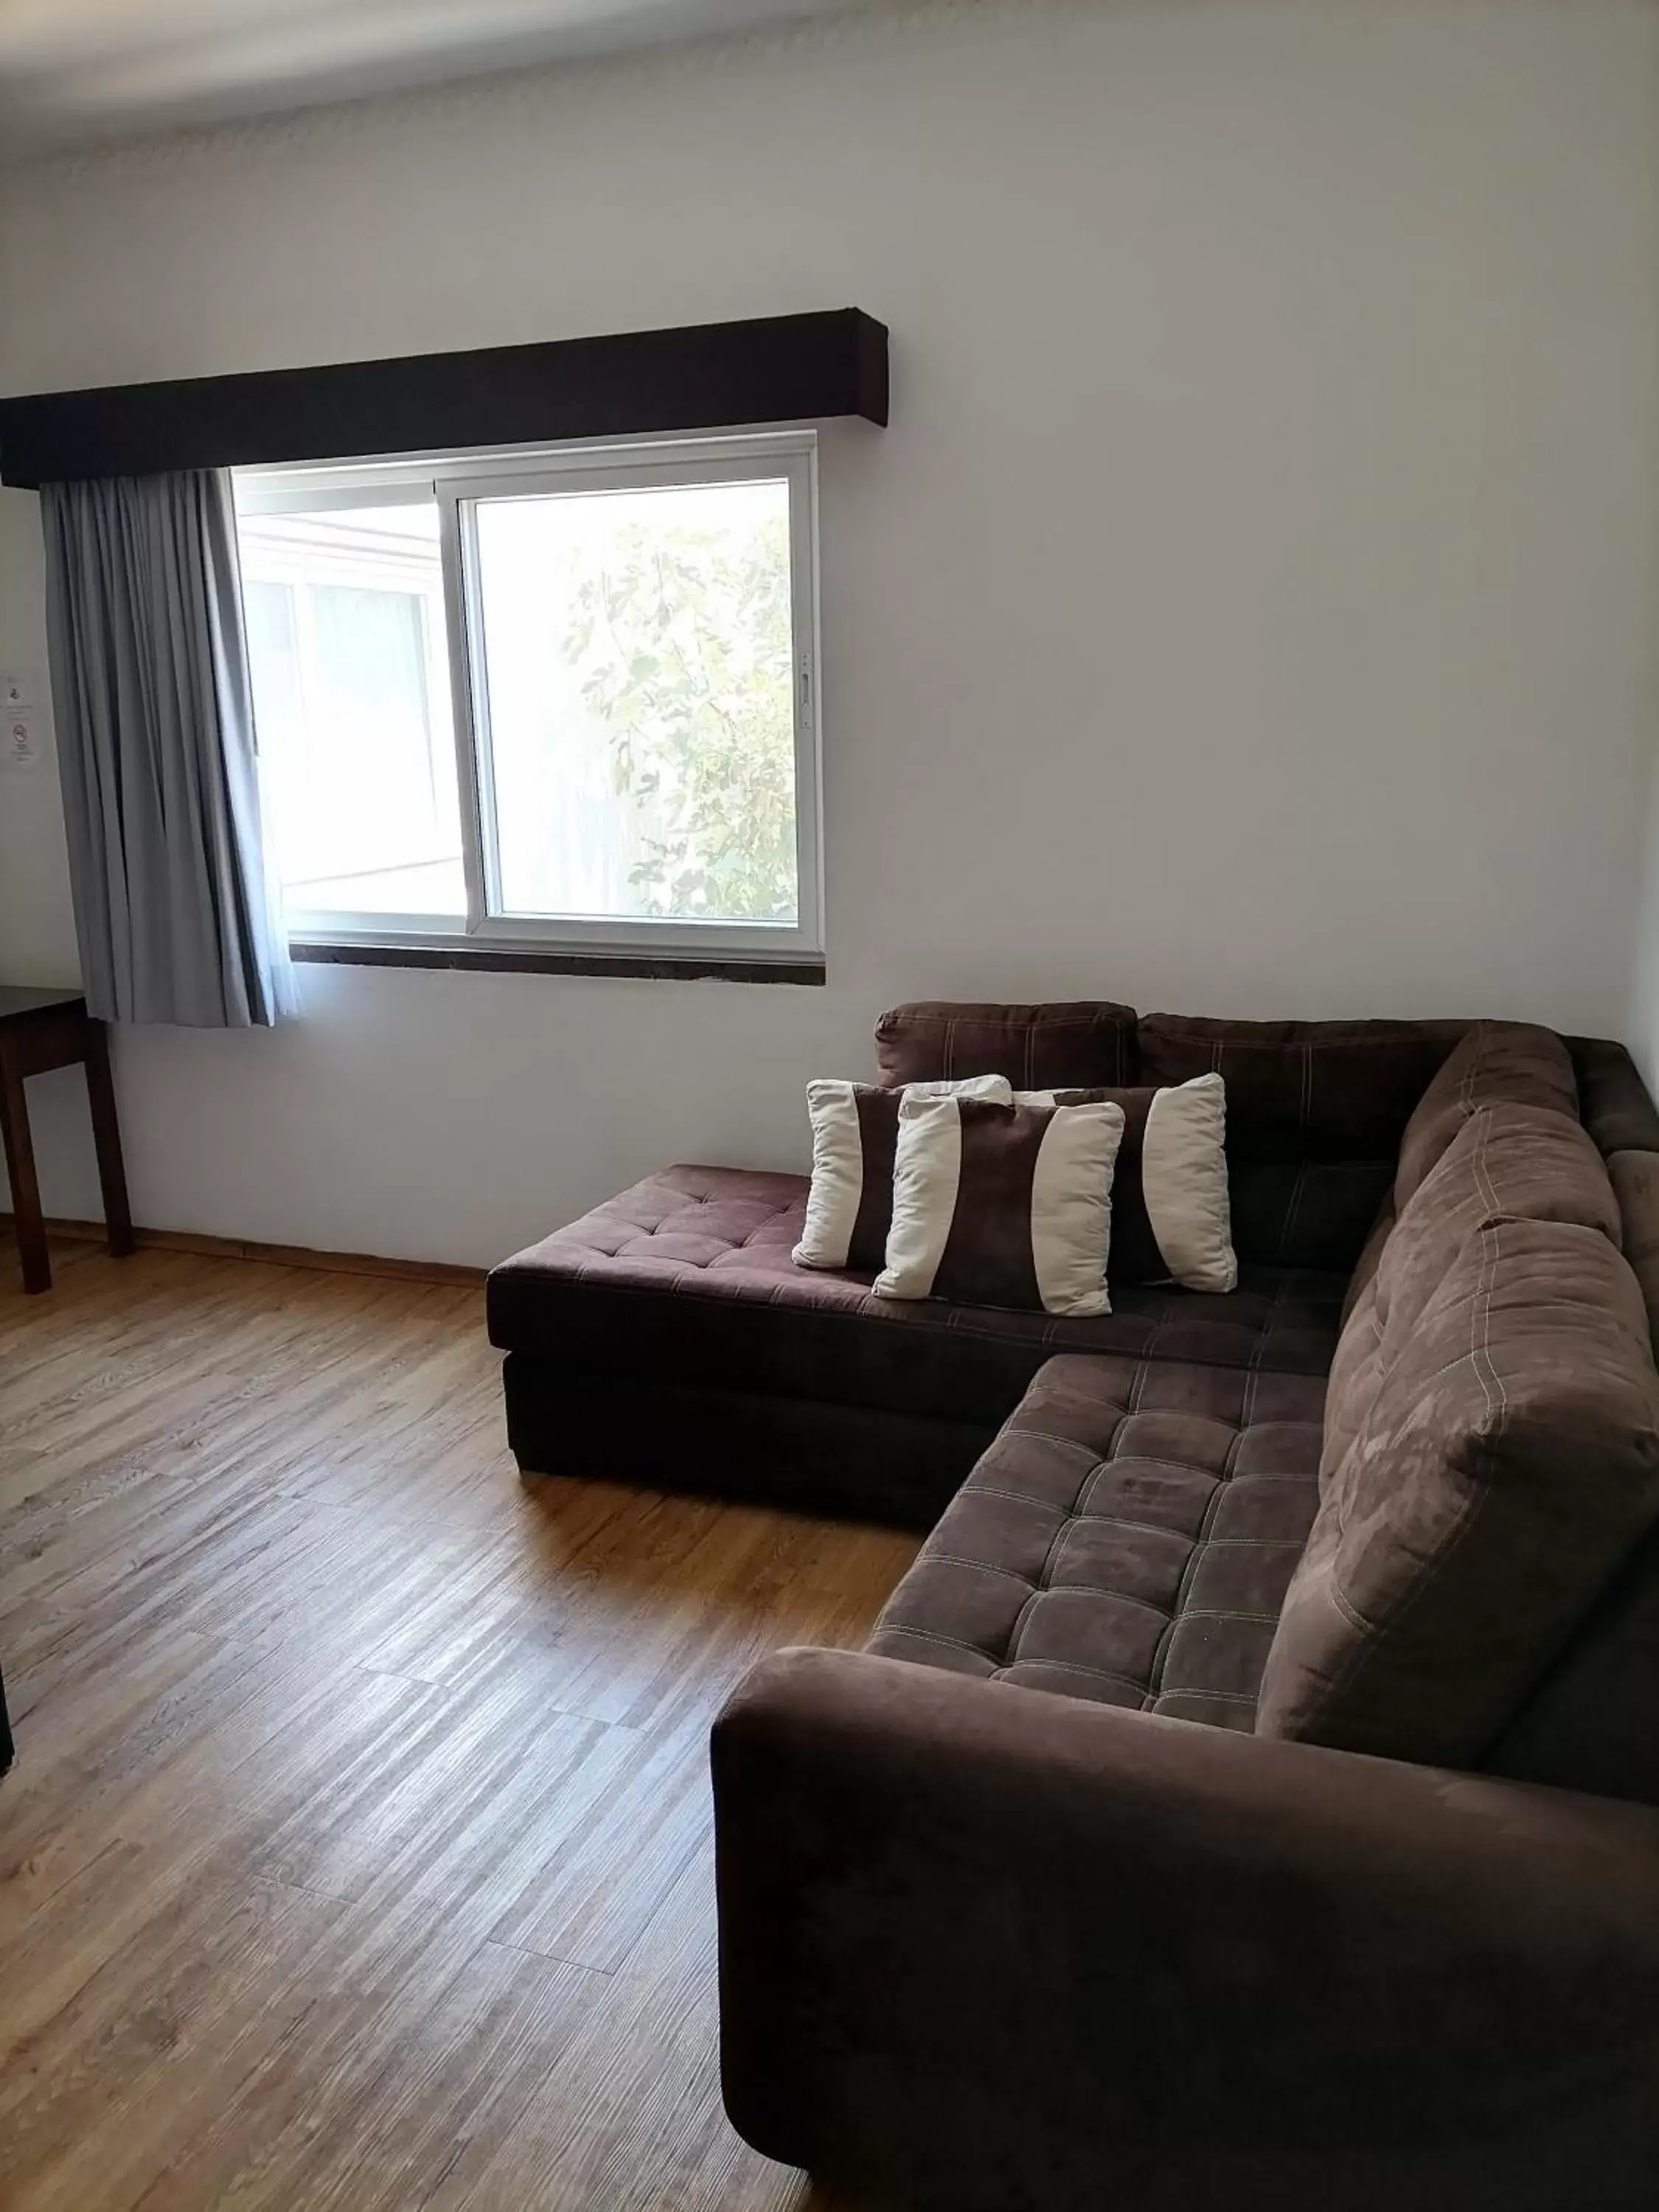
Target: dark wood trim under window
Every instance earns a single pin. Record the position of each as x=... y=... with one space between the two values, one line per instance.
x=678 y=967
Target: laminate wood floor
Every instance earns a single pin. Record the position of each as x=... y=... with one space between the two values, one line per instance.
x=357 y=1854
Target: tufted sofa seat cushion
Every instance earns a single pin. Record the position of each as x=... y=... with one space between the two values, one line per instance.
x=687 y=1280
x=1129 y=1537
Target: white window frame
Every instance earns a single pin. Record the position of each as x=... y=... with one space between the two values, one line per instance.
x=456 y=482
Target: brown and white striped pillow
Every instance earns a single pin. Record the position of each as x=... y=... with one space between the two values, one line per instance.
x=854 y=1138
x=1171 y=1216
x=998 y=1205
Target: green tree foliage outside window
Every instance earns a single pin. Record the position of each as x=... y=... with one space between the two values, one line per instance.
x=681 y=639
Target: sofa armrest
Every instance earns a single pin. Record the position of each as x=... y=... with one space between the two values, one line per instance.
x=987 y=1948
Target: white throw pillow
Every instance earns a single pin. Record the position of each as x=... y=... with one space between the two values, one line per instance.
x=1183 y=1178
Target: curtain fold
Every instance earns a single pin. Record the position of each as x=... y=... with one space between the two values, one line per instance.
x=156 y=752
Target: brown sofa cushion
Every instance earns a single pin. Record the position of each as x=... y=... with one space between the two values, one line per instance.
x=1082 y=1043
x=1496 y=1062
x=1505 y=1162
x=1127 y=1538
x=1508 y=1162
x=1315 y=1111
x=1491 y=1461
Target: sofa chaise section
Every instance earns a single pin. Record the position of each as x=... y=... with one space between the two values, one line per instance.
x=668 y=1335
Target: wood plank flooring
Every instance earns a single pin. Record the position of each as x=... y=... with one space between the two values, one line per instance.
x=357 y=1854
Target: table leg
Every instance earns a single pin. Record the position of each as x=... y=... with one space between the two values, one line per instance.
x=106 y=1141
x=5 y=1729
x=25 y=1186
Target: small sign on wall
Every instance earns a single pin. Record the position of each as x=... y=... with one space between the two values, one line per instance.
x=21 y=726
x=22 y=745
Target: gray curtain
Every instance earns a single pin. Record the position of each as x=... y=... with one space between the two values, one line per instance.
x=155 y=750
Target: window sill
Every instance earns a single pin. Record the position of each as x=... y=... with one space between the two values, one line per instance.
x=677 y=967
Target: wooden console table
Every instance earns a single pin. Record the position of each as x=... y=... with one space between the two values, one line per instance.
x=41 y=1029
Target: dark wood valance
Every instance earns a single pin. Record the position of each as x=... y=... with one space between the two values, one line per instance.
x=785 y=369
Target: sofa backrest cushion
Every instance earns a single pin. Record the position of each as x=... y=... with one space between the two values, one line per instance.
x=1357 y=1367
x=1507 y=1162
x=1079 y=1044
x=1519 y=1163
x=1491 y=1456
x=1494 y=1062
x=1315 y=1111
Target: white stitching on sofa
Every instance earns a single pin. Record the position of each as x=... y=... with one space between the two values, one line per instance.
x=972 y=1489
x=928 y=1559
x=1075 y=1443
x=1099 y=1590
x=1480 y=1317
x=1225 y=1612
x=932 y=1636
x=1211 y=1506
x=1076 y=1667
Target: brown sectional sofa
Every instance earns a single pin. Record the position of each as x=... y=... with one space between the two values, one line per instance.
x=1058 y=1895
x=674 y=1316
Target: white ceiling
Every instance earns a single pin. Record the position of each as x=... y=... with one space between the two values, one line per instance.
x=77 y=70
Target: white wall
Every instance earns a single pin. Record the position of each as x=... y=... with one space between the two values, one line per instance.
x=1248 y=610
